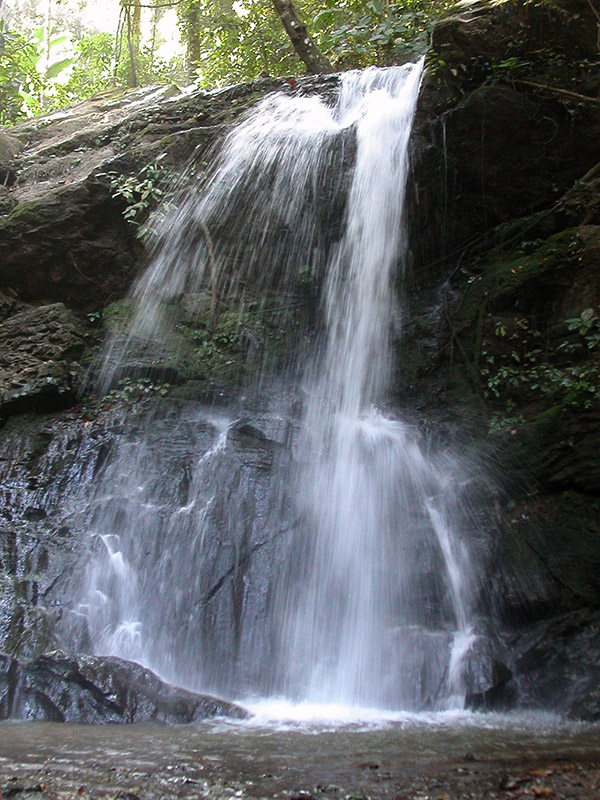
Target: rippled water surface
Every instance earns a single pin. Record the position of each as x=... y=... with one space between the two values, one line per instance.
x=359 y=753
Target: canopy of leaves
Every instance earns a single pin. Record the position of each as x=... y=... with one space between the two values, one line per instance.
x=18 y=73
x=221 y=42
x=231 y=45
x=357 y=33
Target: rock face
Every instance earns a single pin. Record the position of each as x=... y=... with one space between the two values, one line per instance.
x=508 y=117
x=506 y=185
x=558 y=665
x=64 y=229
x=503 y=345
x=61 y=687
x=39 y=349
x=68 y=479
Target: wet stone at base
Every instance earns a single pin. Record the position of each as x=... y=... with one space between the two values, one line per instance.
x=62 y=687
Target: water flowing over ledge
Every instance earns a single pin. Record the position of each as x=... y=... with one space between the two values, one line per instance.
x=368 y=597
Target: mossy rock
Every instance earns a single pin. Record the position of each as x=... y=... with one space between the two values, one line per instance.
x=192 y=345
x=528 y=275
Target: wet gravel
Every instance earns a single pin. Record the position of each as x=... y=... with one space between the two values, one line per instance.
x=471 y=758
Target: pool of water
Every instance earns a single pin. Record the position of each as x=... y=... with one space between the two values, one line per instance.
x=284 y=751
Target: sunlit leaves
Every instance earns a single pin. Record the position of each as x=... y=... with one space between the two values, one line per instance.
x=18 y=74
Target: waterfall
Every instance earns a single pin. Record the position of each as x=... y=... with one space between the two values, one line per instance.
x=348 y=578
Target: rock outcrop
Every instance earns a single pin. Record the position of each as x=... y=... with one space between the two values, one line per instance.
x=62 y=687
x=503 y=342
x=507 y=181
x=71 y=203
x=39 y=352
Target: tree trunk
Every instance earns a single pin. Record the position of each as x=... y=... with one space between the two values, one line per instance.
x=46 y=45
x=131 y=46
x=303 y=45
x=137 y=18
x=192 y=23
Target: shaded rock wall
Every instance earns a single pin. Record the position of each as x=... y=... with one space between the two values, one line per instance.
x=506 y=312
x=503 y=129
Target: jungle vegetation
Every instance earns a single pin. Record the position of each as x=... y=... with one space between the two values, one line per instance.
x=57 y=52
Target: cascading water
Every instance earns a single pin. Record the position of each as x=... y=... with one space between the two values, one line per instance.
x=347 y=582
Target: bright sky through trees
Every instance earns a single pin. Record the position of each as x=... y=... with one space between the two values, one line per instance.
x=56 y=52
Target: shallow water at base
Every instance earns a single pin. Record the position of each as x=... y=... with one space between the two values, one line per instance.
x=274 y=754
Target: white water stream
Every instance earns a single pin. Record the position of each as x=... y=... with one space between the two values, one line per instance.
x=375 y=607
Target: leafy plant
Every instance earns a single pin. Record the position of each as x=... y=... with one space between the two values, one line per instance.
x=18 y=74
x=53 y=55
x=527 y=367
x=91 y=71
x=133 y=391
x=587 y=324
x=142 y=192
x=362 y=33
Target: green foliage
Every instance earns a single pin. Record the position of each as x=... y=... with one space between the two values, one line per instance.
x=230 y=46
x=505 y=421
x=150 y=68
x=41 y=72
x=53 y=57
x=18 y=74
x=357 y=34
x=142 y=192
x=258 y=334
x=527 y=367
x=92 y=69
x=225 y=42
x=587 y=325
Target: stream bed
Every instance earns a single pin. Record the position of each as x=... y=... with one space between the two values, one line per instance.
x=438 y=756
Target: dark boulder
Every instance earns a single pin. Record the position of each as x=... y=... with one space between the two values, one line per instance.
x=39 y=352
x=557 y=665
x=62 y=687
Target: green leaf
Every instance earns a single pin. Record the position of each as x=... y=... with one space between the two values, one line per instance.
x=63 y=38
x=326 y=17
x=38 y=35
x=55 y=70
x=30 y=101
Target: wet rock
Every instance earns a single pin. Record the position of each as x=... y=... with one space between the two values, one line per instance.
x=132 y=364
x=61 y=487
x=44 y=460
x=253 y=445
x=62 y=687
x=63 y=234
x=39 y=370
x=423 y=656
x=488 y=681
x=557 y=666
x=26 y=626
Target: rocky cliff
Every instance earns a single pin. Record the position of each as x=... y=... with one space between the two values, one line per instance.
x=503 y=340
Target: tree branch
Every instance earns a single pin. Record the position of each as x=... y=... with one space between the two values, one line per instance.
x=575 y=95
x=303 y=45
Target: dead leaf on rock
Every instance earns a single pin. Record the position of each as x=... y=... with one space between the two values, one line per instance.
x=543 y=791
